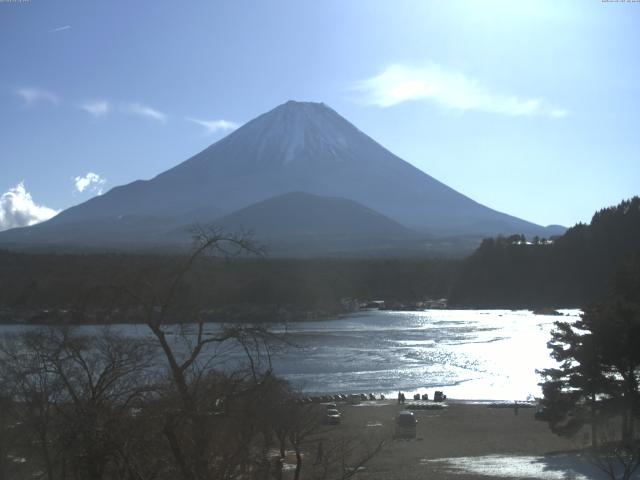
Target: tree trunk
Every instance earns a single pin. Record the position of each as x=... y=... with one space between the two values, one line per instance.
x=174 y=444
x=298 y=463
x=594 y=420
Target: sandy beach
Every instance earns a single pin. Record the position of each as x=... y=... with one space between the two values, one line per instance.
x=463 y=441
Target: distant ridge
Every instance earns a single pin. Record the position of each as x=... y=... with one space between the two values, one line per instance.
x=299 y=213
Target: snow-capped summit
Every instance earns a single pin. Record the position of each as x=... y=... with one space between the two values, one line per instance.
x=294 y=132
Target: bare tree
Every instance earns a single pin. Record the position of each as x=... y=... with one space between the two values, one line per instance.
x=33 y=394
x=8 y=431
x=210 y=418
x=619 y=460
x=303 y=422
x=73 y=395
x=345 y=457
x=196 y=401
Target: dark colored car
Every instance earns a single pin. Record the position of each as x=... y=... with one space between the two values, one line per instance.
x=405 y=425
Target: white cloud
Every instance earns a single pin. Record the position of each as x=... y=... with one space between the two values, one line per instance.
x=97 y=108
x=452 y=90
x=559 y=113
x=32 y=96
x=91 y=182
x=60 y=29
x=17 y=209
x=145 y=111
x=214 y=126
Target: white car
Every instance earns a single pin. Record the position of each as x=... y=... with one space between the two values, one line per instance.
x=332 y=416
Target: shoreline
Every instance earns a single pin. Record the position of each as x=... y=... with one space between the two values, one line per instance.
x=465 y=441
x=457 y=352
x=46 y=316
x=391 y=399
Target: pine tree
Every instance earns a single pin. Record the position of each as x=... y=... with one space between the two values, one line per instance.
x=599 y=364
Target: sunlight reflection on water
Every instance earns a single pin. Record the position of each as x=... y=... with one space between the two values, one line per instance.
x=549 y=467
x=470 y=354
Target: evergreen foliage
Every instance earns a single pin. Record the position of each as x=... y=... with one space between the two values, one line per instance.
x=598 y=375
x=569 y=271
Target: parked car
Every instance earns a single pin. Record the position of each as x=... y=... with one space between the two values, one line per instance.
x=405 y=425
x=332 y=416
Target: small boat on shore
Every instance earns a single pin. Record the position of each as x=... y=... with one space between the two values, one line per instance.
x=426 y=405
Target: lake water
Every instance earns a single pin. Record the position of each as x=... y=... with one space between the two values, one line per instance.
x=470 y=354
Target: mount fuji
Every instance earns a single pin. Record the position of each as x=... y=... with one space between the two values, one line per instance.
x=337 y=172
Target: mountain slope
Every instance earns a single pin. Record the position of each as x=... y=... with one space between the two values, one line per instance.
x=298 y=146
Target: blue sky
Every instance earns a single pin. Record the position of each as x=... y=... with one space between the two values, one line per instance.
x=528 y=108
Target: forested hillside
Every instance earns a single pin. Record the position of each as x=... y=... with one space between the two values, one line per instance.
x=505 y=272
x=572 y=270
x=241 y=288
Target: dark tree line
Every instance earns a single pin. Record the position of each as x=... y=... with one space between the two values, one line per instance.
x=257 y=289
x=572 y=270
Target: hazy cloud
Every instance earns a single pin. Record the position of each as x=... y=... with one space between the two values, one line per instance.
x=60 y=29
x=145 y=111
x=32 y=96
x=559 y=113
x=17 y=209
x=214 y=126
x=91 y=182
x=97 y=108
x=453 y=90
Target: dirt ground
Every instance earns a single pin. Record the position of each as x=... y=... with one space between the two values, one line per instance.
x=460 y=430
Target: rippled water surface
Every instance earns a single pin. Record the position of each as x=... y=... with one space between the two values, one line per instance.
x=549 y=467
x=470 y=354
